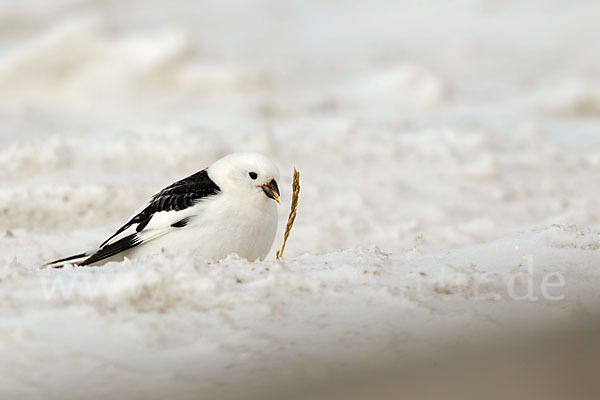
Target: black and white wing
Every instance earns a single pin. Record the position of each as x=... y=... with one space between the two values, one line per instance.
x=167 y=210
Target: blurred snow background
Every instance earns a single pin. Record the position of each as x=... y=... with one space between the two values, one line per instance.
x=440 y=144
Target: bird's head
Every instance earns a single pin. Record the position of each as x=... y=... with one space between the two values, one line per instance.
x=249 y=175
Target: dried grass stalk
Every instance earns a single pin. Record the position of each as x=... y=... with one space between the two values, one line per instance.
x=293 y=209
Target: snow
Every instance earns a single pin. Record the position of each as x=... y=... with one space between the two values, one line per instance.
x=449 y=159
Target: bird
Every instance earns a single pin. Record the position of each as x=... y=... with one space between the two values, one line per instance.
x=229 y=207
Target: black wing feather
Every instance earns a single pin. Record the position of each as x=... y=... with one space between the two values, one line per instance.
x=176 y=197
x=65 y=260
x=114 y=248
x=181 y=223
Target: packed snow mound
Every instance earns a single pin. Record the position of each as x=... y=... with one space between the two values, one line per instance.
x=219 y=320
x=72 y=61
x=576 y=96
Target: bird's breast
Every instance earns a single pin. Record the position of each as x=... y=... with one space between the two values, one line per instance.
x=226 y=227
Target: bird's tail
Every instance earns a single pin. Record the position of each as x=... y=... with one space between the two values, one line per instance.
x=75 y=260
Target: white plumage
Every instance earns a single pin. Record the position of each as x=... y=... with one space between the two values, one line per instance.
x=230 y=207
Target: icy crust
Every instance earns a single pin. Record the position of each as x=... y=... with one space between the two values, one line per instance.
x=208 y=321
x=176 y=280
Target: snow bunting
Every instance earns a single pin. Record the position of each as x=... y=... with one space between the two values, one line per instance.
x=226 y=208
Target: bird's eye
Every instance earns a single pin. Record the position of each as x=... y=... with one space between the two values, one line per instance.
x=253 y=175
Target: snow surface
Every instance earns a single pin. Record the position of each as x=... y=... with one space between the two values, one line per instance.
x=449 y=152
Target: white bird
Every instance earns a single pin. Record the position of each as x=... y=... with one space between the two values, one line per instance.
x=226 y=208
